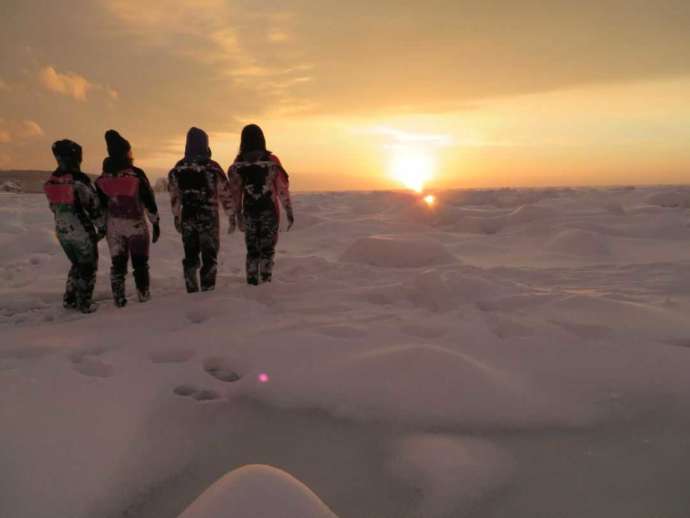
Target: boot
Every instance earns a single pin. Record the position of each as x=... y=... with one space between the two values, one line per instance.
x=191 y=280
x=88 y=307
x=119 y=294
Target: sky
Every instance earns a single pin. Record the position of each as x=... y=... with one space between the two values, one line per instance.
x=359 y=94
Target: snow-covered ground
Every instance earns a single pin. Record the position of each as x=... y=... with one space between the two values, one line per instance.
x=501 y=354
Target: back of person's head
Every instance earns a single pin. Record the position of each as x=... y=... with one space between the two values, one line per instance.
x=68 y=155
x=197 y=147
x=252 y=140
x=119 y=150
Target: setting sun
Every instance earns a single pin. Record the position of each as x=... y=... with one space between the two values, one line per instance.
x=413 y=168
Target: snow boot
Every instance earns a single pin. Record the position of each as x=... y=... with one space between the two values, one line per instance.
x=88 y=307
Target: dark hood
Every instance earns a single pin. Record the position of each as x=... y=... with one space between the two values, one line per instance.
x=197 y=145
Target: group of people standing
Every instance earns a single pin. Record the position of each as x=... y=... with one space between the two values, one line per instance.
x=118 y=206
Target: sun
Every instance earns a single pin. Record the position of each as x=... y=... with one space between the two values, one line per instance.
x=413 y=168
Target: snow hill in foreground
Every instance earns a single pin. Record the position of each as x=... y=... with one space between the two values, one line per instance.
x=504 y=353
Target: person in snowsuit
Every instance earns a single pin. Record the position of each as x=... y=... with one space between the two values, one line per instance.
x=79 y=223
x=128 y=199
x=197 y=185
x=258 y=182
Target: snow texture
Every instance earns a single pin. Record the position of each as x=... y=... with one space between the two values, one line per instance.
x=503 y=353
x=259 y=492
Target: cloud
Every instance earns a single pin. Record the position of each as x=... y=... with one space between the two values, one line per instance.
x=18 y=131
x=69 y=84
x=29 y=129
x=72 y=85
x=403 y=137
x=237 y=47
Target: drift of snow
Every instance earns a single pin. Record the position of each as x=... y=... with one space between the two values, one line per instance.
x=257 y=492
x=406 y=361
x=399 y=252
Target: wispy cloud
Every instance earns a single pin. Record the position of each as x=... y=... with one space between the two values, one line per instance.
x=71 y=84
x=402 y=137
x=238 y=47
x=17 y=131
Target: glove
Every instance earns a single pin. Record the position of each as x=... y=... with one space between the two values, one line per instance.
x=156 y=232
x=240 y=221
x=291 y=221
x=100 y=234
x=231 y=224
x=178 y=225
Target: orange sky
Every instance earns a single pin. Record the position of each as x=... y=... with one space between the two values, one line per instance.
x=487 y=93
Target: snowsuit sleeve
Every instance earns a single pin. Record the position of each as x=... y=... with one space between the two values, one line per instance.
x=147 y=197
x=175 y=198
x=89 y=201
x=282 y=187
x=235 y=186
x=224 y=192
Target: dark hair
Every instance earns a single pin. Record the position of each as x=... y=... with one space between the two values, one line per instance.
x=68 y=154
x=252 y=139
x=119 y=152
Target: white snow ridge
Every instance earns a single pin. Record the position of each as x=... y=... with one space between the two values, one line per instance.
x=500 y=353
x=257 y=492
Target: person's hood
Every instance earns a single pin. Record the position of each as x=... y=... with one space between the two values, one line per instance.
x=196 y=147
x=119 y=151
x=68 y=154
x=118 y=147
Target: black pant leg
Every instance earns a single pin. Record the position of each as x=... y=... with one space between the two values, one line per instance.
x=252 y=230
x=192 y=249
x=267 y=239
x=210 y=244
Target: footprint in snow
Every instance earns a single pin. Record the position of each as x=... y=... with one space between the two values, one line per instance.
x=197 y=317
x=221 y=369
x=87 y=361
x=196 y=393
x=94 y=367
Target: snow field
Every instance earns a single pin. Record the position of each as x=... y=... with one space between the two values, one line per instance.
x=406 y=361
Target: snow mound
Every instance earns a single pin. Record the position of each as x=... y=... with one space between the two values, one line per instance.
x=675 y=198
x=452 y=472
x=415 y=384
x=579 y=242
x=257 y=491
x=397 y=252
x=479 y=224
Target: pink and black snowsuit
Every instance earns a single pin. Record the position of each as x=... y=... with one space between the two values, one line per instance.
x=128 y=199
